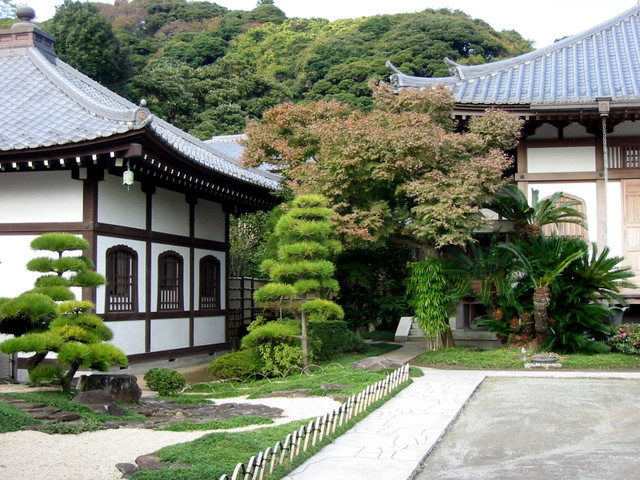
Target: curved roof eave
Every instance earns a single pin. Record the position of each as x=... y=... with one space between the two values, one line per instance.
x=602 y=61
x=100 y=113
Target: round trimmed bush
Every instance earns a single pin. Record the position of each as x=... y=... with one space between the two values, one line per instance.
x=165 y=381
x=241 y=364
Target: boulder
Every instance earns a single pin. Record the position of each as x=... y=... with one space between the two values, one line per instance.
x=100 y=401
x=124 y=388
x=376 y=363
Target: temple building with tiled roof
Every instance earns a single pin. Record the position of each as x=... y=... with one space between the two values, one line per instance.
x=153 y=201
x=580 y=99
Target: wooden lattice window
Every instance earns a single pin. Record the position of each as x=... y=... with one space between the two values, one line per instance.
x=209 y=283
x=122 y=279
x=170 y=291
x=569 y=230
x=624 y=156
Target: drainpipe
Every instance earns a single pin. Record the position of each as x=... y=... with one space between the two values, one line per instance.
x=604 y=107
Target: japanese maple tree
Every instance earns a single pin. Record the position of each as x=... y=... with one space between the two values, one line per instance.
x=398 y=172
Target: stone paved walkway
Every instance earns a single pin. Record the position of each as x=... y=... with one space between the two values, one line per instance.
x=392 y=442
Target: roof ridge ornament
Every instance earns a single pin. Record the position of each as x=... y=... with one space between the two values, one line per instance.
x=26 y=15
x=455 y=68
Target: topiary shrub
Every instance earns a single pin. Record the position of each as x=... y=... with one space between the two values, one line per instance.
x=165 y=381
x=334 y=338
x=46 y=373
x=280 y=358
x=237 y=365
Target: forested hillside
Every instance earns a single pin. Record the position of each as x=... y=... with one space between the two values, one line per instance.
x=208 y=69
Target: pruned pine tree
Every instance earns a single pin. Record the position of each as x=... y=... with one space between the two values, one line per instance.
x=48 y=319
x=303 y=273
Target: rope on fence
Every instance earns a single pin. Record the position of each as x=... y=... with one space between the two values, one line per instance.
x=317 y=429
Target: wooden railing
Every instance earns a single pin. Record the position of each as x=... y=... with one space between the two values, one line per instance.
x=317 y=430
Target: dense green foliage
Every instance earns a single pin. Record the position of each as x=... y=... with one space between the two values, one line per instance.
x=333 y=339
x=372 y=290
x=545 y=291
x=302 y=273
x=85 y=39
x=433 y=290
x=239 y=365
x=209 y=69
x=164 y=380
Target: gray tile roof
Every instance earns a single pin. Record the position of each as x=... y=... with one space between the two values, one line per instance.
x=45 y=102
x=604 y=61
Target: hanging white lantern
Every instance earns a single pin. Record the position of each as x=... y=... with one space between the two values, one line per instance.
x=127 y=177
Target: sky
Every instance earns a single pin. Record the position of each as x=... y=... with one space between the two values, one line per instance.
x=542 y=21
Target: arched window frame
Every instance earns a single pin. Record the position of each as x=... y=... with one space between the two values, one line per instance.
x=569 y=230
x=170 y=281
x=122 y=279
x=209 y=291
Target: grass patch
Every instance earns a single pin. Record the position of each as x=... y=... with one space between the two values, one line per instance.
x=13 y=419
x=234 y=422
x=216 y=454
x=93 y=421
x=465 y=357
x=334 y=374
x=379 y=335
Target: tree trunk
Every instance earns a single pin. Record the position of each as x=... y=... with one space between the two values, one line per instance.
x=447 y=338
x=541 y=301
x=68 y=378
x=304 y=343
x=35 y=360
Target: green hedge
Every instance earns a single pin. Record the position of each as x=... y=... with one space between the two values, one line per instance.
x=237 y=365
x=335 y=338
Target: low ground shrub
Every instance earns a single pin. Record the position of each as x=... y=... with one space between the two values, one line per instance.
x=334 y=338
x=45 y=373
x=237 y=365
x=165 y=381
x=626 y=340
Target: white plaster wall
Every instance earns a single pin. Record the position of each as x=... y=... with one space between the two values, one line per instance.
x=156 y=250
x=170 y=213
x=575 y=130
x=223 y=276
x=102 y=245
x=615 y=226
x=35 y=197
x=545 y=131
x=625 y=129
x=210 y=221
x=208 y=331
x=128 y=336
x=561 y=159
x=118 y=205
x=14 y=255
x=167 y=334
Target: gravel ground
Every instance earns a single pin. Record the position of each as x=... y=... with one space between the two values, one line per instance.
x=93 y=455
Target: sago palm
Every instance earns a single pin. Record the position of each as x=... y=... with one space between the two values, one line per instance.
x=512 y=204
x=541 y=260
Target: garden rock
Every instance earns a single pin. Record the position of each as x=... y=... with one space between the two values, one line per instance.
x=100 y=401
x=124 y=388
x=376 y=363
x=147 y=462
